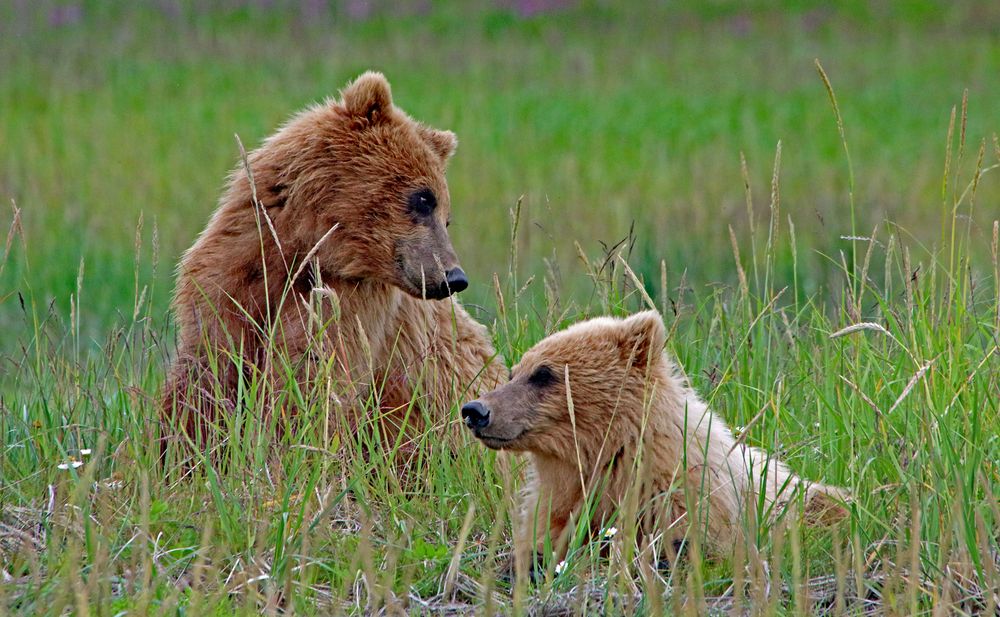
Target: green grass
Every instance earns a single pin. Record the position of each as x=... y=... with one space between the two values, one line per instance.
x=116 y=134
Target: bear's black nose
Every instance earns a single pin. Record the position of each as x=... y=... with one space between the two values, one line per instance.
x=476 y=415
x=456 y=281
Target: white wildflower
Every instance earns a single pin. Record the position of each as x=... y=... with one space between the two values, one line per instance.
x=85 y=452
x=70 y=465
x=610 y=532
x=560 y=567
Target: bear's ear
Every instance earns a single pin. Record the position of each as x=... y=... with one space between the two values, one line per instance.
x=641 y=338
x=368 y=97
x=443 y=143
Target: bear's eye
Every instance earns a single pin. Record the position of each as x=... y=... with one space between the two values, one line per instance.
x=422 y=202
x=543 y=376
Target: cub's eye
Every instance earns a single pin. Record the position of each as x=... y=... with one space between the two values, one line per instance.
x=422 y=202
x=543 y=376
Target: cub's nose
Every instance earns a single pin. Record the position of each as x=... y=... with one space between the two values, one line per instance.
x=455 y=280
x=476 y=415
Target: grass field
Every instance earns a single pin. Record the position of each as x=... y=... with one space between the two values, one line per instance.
x=615 y=134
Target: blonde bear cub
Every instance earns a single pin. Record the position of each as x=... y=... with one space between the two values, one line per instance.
x=601 y=409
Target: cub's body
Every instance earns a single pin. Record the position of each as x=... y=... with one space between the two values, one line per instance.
x=602 y=411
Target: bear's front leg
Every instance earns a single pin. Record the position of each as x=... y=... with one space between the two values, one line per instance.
x=440 y=358
x=547 y=512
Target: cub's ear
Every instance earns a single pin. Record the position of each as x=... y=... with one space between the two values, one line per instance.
x=443 y=143
x=368 y=97
x=641 y=338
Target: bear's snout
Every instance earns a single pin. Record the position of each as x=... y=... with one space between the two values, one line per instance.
x=455 y=280
x=476 y=415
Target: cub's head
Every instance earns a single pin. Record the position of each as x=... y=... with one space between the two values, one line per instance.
x=610 y=365
x=363 y=165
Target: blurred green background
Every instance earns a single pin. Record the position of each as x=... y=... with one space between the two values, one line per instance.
x=603 y=116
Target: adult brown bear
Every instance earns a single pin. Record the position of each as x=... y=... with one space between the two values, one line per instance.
x=328 y=269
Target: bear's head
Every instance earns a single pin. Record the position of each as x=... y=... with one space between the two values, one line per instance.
x=362 y=165
x=578 y=390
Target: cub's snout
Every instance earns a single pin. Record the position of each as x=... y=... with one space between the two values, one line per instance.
x=493 y=424
x=476 y=415
x=511 y=416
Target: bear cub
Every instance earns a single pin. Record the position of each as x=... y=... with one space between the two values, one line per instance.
x=603 y=413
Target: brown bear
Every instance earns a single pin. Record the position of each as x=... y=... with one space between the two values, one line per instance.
x=328 y=260
x=602 y=411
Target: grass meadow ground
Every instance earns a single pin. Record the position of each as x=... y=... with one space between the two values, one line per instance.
x=828 y=267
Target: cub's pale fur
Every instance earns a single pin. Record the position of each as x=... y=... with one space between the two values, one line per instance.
x=602 y=410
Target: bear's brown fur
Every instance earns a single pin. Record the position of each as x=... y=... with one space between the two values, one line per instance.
x=336 y=256
x=601 y=409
